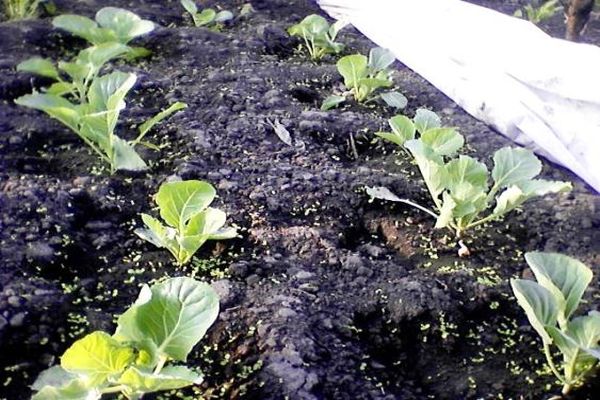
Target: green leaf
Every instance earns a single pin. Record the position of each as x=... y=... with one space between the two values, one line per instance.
x=470 y=199
x=39 y=66
x=54 y=376
x=77 y=72
x=77 y=25
x=206 y=222
x=335 y=29
x=180 y=201
x=97 y=356
x=563 y=276
x=443 y=141
x=446 y=211
x=174 y=314
x=55 y=106
x=431 y=166
x=136 y=52
x=74 y=390
x=125 y=157
x=373 y=83
x=190 y=7
x=585 y=330
x=61 y=88
x=205 y=17
x=157 y=234
x=517 y=194
x=539 y=305
x=467 y=169
x=380 y=58
x=125 y=24
x=352 y=68
x=149 y=124
x=101 y=54
x=514 y=165
x=402 y=130
x=169 y=378
x=394 y=99
x=425 y=120
x=332 y=102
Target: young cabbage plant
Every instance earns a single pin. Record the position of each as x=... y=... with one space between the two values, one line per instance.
x=163 y=325
x=460 y=185
x=208 y=17
x=363 y=76
x=112 y=24
x=95 y=119
x=318 y=36
x=550 y=305
x=73 y=78
x=190 y=222
x=538 y=11
x=21 y=9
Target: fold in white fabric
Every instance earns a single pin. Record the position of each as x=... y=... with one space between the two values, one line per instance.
x=541 y=92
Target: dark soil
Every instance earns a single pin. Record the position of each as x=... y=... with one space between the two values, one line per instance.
x=326 y=296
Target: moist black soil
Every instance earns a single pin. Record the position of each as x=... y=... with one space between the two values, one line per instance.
x=326 y=295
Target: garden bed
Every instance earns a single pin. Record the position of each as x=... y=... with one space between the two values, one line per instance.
x=326 y=295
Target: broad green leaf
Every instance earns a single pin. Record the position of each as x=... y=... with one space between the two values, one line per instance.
x=77 y=72
x=374 y=83
x=585 y=330
x=391 y=137
x=125 y=156
x=332 y=102
x=469 y=199
x=157 y=234
x=206 y=222
x=39 y=66
x=190 y=6
x=106 y=92
x=205 y=17
x=446 y=211
x=61 y=88
x=380 y=58
x=539 y=305
x=443 y=141
x=149 y=124
x=77 y=25
x=563 y=276
x=169 y=378
x=566 y=344
x=425 y=120
x=313 y=26
x=136 y=52
x=514 y=165
x=467 y=169
x=403 y=127
x=394 y=99
x=517 y=194
x=74 y=390
x=431 y=166
x=174 y=314
x=54 y=376
x=124 y=23
x=98 y=356
x=55 y=106
x=100 y=54
x=352 y=68
x=180 y=201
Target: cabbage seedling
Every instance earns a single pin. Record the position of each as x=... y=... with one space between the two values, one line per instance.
x=363 y=76
x=459 y=185
x=550 y=304
x=318 y=36
x=95 y=119
x=164 y=324
x=21 y=9
x=190 y=222
x=208 y=17
x=111 y=25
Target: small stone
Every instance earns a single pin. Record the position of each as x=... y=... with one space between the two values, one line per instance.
x=303 y=275
x=3 y=322
x=14 y=301
x=40 y=251
x=286 y=312
x=17 y=319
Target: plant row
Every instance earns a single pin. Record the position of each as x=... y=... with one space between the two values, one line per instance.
x=169 y=318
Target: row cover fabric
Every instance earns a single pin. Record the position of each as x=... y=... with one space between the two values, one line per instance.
x=541 y=92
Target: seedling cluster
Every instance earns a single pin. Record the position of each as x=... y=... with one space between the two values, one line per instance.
x=170 y=318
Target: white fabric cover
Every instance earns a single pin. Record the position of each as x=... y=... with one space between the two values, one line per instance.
x=542 y=92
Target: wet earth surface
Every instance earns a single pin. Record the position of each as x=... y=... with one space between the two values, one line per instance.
x=326 y=295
